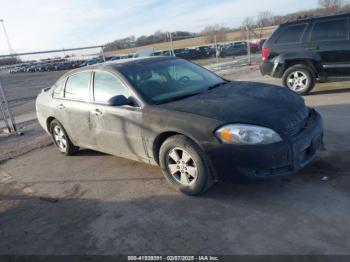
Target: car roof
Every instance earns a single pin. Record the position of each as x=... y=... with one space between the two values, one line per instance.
x=117 y=64
x=309 y=19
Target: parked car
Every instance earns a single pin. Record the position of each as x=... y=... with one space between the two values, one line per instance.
x=178 y=51
x=31 y=68
x=205 y=51
x=189 y=53
x=41 y=67
x=49 y=67
x=76 y=63
x=254 y=47
x=115 y=58
x=18 y=69
x=63 y=66
x=238 y=48
x=307 y=50
x=170 y=112
x=261 y=43
x=161 y=53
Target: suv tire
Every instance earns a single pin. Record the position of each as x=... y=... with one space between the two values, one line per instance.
x=185 y=165
x=299 y=79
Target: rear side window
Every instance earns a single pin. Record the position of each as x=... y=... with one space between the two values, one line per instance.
x=77 y=86
x=291 y=34
x=58 y=88
x=107 y=86
x=330 y=30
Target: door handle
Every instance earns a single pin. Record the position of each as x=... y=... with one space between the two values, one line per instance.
x=61 y=106
x=98 y=111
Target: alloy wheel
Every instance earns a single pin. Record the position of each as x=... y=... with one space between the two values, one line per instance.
x=60 y=138
x=297 y=81
x=181 y=166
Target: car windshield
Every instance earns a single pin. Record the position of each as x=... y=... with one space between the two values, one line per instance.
x=169 y=80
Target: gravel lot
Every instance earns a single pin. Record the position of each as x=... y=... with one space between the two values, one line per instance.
x=93 y=203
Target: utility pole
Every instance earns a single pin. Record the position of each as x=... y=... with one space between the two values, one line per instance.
x=248 y=46
x=171 y=44
x=103 y=54
x=216 y=50
x=6 y=36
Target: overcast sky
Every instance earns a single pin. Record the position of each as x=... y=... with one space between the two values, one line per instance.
x=44 y=24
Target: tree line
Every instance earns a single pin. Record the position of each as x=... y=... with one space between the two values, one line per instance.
x=254 y=24
x=266 y=18
x=157 y=37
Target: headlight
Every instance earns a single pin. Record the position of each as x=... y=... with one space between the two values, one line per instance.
x=241 y=134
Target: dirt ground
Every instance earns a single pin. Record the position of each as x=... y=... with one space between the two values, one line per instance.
x=93 y=203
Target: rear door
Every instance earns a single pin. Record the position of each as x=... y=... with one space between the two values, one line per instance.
x=73 y=109
x=330 y=39
x=117 y=129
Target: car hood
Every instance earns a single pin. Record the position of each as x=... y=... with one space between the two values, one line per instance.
x=247 y=102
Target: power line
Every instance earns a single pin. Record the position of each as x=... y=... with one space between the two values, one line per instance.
x=52 y=51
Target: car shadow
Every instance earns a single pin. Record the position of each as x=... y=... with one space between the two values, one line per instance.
x=89 y=152
x=329 y=91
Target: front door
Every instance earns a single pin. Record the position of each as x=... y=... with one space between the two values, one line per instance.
x=118 y=129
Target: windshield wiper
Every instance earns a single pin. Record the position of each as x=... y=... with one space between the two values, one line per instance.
x=217 y=85
x=181 y=97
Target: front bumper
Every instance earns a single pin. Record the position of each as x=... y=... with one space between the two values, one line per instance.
x=268 y=161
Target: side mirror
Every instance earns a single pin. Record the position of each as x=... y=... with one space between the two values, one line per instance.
x=119 y=101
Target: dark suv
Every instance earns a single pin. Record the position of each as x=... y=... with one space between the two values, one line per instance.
x=307 y=50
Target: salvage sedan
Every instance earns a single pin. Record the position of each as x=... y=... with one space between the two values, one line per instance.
x=197 y=126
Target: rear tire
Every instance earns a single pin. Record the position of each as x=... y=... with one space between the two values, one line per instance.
x=299 y=79
x=185 y=165
x=61 y=139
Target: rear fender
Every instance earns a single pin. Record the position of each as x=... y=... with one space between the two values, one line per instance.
x=286 y=60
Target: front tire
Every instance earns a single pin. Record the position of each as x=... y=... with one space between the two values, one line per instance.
x=61 y=139
x=299 y=79
x=185 y=165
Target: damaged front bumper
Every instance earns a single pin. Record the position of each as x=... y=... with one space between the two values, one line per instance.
x=267 y=161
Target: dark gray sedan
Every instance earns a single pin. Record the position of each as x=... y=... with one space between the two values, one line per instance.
x=196 y=126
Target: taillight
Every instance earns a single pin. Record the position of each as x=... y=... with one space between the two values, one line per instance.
x=265 y=53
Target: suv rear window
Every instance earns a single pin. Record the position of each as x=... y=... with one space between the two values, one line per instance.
x=291 y=34
x=330 y=30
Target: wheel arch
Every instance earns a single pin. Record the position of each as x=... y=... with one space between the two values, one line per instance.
x=308 y=63
x=159 y=140
x=48 y=122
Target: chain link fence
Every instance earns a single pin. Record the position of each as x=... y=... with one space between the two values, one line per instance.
x=21 y=82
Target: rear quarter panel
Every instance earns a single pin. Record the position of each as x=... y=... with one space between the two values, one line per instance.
x=43 y=108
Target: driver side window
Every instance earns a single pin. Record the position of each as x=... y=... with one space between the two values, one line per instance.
x=107 y=86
